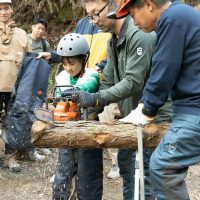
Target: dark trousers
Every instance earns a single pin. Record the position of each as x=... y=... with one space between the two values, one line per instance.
x=4 y=101
x=126 y=160
x=89 y=171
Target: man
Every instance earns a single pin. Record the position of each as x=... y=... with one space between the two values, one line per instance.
x=175 y=70
x=129 y=55
x=36 y=37
x=13 y=44
x=39 y=44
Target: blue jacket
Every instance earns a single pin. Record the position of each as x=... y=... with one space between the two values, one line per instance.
x=175 y=65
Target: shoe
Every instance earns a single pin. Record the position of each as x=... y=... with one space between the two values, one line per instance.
x=44 y=151
x=114 y=172
x=51 y=180
x=11 y=162
x=35 y=156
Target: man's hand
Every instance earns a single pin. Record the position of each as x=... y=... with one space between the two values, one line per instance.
x=137 y=117
x=85 y=99
x=45 y=55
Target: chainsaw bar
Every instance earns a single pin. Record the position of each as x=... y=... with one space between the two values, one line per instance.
x=46 y=116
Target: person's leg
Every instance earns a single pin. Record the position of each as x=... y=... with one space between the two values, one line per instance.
x=7 y=97
x=126 y=159
x=90 y=174
x=179 y=149
x=126 y=168
x=10 y=159
x=64 y=173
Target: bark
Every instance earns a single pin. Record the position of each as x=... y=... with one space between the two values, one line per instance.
x=95 y=135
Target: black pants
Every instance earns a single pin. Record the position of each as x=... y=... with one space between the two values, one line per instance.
x=4 y=101
x=89 y=174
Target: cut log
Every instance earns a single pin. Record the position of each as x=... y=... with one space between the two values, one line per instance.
x=95 y=135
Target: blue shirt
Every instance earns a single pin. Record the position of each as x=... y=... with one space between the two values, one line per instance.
x=175 y=67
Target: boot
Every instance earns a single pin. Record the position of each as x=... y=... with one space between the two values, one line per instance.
x=11 y=162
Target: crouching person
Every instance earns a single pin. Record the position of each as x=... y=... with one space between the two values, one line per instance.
x=85 y=164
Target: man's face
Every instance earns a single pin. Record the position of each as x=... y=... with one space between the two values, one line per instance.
x=5 y=12
x=38 y=31
x=93 y=8
x=145 y=17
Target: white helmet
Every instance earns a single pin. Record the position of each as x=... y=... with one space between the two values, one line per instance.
x=73 y=44
x=5 y=1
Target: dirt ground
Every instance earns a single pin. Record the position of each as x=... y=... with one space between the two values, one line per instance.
x=33 y=182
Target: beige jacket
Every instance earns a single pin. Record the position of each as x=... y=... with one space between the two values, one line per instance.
x=11 y=55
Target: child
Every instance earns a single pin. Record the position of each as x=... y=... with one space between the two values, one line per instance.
x=74 y=51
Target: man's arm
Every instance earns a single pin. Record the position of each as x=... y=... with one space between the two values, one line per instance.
x=138 y=61
x=166 y=64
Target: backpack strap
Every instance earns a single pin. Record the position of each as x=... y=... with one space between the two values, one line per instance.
x=44 y=46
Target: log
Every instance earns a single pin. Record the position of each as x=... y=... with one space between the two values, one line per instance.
x=92 y=134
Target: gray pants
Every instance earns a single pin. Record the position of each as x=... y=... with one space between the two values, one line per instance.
x=179 y=149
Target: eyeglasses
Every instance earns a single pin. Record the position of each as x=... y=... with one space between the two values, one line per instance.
x=96 y=16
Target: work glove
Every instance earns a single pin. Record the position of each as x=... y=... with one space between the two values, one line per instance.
x=137 y=117
x=70 y=92
x=85 y=99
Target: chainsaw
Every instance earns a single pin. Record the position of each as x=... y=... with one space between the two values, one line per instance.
x=65 y=109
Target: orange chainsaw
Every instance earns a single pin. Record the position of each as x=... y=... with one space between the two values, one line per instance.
x=65 y=109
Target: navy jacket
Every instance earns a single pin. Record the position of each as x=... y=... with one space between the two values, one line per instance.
x=175 y=65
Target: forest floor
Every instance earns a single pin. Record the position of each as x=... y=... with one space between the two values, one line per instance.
x=32 y=183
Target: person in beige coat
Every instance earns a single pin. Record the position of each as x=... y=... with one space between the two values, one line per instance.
x=13 y=44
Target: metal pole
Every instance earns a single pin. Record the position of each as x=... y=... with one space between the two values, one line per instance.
x=141 y=164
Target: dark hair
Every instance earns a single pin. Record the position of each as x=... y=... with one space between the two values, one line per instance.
x=140 y=3
x=39 y=20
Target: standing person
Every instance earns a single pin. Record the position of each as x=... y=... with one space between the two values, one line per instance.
x=13 y=44
x=97 y=41
x=128 y=61
x=39 y=44
x=74 y=51
x=174 y=69
x=36 y=37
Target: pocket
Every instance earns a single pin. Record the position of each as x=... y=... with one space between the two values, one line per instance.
x=170 y=139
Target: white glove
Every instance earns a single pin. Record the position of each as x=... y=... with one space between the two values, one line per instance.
x=137 y=117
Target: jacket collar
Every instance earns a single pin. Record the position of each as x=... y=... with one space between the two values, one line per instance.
x=123 y=30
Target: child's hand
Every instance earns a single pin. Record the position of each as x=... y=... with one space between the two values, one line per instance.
x=45 y=55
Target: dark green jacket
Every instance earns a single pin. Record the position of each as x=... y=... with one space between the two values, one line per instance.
x=127 y=67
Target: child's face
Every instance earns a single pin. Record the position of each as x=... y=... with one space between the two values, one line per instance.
x=5 y=12
x=72 y=65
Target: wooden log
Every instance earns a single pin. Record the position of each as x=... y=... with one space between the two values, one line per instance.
x=95 y=135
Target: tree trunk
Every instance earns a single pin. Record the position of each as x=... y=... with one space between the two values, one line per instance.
x=95 y=135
